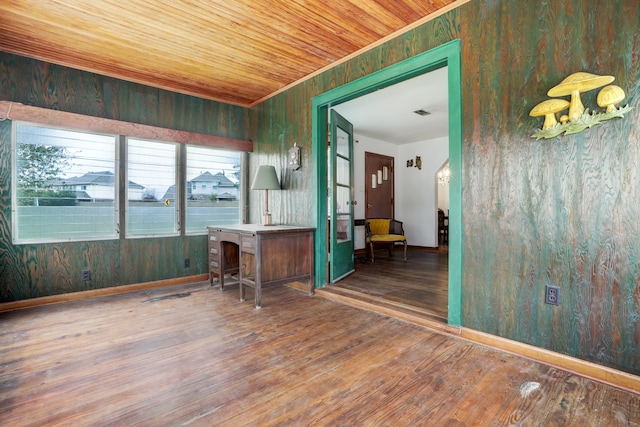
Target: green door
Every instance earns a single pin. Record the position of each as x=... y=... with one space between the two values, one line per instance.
x=341 y=197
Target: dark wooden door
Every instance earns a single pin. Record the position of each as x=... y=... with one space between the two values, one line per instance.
x=379 y=201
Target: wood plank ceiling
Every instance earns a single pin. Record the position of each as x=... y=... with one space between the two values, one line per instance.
x=235 y=51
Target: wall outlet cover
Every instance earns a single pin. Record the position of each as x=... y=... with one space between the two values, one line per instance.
x=552 y=295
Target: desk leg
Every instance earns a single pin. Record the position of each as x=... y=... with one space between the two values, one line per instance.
x=258 y=271
x=258 y=293
x=222 y=267
x=311 y=265
x=241 y=275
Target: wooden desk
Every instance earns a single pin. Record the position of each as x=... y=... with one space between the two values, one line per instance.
x=261 y=255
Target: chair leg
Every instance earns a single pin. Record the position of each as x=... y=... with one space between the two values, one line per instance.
x=405 y=250
x=371 y=248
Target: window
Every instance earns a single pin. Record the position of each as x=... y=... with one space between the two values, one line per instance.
x=151 y=188
x=68 y=185
x=64 y=184
x=218 y=201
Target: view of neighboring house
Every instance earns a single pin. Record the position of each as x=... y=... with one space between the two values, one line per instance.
x=96 y=186
x=206 y=185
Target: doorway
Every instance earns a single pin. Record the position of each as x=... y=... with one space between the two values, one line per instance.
x=445 y=55
x=385 y=122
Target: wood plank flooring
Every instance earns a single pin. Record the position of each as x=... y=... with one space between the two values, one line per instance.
x=191 y=355
x=421 y=282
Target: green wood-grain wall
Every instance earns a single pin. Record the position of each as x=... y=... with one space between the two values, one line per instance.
x=563 y=211
x=36 y=270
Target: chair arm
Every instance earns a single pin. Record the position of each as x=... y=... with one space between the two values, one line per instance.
x=395 y=227
x=367 y=228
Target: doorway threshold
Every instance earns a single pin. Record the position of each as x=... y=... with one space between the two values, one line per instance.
x=397 y=310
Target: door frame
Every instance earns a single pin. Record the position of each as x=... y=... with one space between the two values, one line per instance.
x=448 y=54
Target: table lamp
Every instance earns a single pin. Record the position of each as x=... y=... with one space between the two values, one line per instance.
x=266 y=179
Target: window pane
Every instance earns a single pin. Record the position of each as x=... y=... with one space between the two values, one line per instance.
x=65 y=185
x=151 y=189
x=343 y=171
x=343 y=199
x=342 y=141
x=213 y=188
x=343 y=232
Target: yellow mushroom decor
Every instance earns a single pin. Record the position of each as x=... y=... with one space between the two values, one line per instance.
x=578 y=118
x=574 y=85
x=609 y=96
x=548 y=109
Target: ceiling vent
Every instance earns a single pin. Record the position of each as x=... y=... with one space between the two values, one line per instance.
x=422 y=112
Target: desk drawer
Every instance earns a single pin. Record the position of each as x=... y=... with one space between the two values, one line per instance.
x=249 y=244
x=214 y=263
x=224 y=236
x=214 y=250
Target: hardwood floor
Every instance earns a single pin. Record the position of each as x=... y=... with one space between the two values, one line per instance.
x=192 y=355
x=420 y=282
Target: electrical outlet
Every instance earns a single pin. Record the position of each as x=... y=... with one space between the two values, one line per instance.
x=187 y=263
x=86 y=275
x=552 y=295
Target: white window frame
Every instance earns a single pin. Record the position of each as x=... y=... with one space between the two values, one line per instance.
x=242 y=193
x=178 y=192
x=14 y=188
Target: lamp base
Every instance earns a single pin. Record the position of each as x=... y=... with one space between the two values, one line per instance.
x=266 y=219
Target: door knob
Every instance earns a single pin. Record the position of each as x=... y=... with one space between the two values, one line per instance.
x=368 y=205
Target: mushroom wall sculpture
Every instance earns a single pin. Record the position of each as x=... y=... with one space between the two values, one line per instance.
x=574 y=85
x=609 y=96
x=548 y=109
x=578 y=118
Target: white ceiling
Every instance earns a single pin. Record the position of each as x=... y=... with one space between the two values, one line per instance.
x=388 y=114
